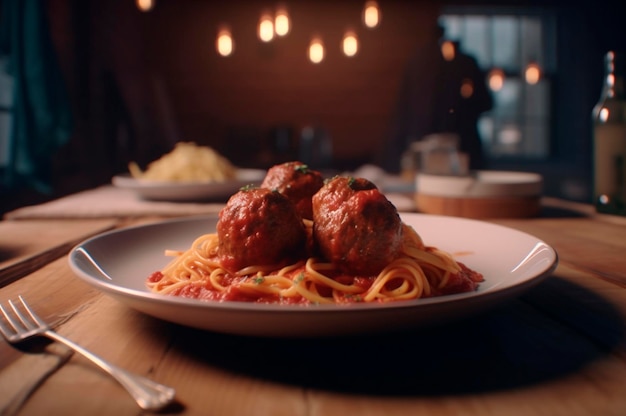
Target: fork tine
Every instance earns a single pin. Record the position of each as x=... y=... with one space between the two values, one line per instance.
x=32 y=314
x=148 y=394
x=6 y=332
x=17 y=326
x=26 y=323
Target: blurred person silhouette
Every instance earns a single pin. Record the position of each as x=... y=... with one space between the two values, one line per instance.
x=443 y=91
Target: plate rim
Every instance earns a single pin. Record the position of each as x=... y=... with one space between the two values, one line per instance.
x=125 y=180
x=115 y=289
x=187 y=191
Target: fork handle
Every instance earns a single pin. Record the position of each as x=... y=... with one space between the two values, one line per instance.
x=148 y=394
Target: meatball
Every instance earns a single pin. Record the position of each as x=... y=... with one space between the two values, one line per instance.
x=297 y=182
x=355 y=227
x=259 y=227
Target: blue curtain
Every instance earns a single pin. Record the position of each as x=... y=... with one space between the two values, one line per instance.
x=41 y=113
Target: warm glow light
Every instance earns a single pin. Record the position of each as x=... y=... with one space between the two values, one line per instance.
x=496 y=79
x=316 y=51
x=350 y=43
x=224 y=42
x=467 y=88
x=145 y=5
x=533 y=73
x=281 y=21
x=266 y=27
x=448 y=50
x=371 y=14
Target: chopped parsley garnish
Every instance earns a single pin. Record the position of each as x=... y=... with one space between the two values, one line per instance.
x=302 y=169
x=299 y=278
x=248 y=187
x=354 y=298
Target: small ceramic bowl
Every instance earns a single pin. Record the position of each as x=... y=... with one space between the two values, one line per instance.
x=481 y=194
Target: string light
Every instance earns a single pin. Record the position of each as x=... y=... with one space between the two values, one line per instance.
x=145 y=5
x=266 y=27
x=467 y=88
x=532 y=73
x=496 y=79
x=224 y=43
x=281 y=21
x=350 y=43
x=371 y=14
x=279 y=24
x=448 y=51
x=316 y=50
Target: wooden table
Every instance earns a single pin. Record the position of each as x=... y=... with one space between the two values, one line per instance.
x=559 y=349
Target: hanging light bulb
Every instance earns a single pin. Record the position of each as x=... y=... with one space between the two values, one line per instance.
x=266 y=27
x=467 y=88
x=350 y=43
x=145 y=5
x=448 y=51
x=316 y=50
x=371 y=14
x=281 y=21
x=532 y=73
x=495 y=79
x=224 y=43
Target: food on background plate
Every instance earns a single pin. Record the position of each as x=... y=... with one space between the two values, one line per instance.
x=187 y=162
x=354 y=249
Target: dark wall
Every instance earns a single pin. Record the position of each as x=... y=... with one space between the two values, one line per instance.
x=141 y=81
x=144 y=80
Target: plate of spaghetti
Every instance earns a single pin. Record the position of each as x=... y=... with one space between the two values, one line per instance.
x=339 y=261
x=187 y=173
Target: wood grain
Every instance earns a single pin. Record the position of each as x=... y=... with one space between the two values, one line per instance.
x=27 y=245
x=478 y=208
x=558 y=349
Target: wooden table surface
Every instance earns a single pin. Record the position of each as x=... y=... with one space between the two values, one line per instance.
x=558 y=349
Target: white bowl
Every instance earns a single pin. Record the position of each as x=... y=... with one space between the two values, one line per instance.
x=480 y=184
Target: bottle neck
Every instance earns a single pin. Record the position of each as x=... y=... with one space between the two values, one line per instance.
x=614 y=77
x=615 y=87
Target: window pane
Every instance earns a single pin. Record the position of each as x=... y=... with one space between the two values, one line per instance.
x=5 y=129
x=537 y=114
x=453 y=26
x=475 y=39
x=518 y=125
x=531 y=35
x=505 y=43
x=507 y=131
x=507 y=100
x=537 y=97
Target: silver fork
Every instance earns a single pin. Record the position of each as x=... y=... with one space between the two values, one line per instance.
x=18 y=327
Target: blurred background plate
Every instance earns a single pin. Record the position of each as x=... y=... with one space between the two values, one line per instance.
x=189 y=191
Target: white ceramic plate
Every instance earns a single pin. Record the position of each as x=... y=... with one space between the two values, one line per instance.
x=511 y=262
x=189 y=191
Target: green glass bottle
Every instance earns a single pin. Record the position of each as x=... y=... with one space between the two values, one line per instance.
x=609 y=140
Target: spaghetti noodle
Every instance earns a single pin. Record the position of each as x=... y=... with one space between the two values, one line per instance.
x=419 y=271
x=187 y=162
